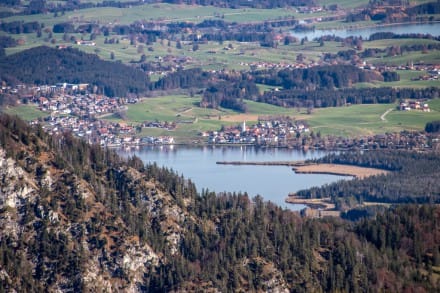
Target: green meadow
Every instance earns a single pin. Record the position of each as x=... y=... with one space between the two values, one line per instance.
x=366 y=119
x=408 y=79
x=210 y=55
x=349 y=121
x=26 y=112
x=158 y=11
x=190 y=118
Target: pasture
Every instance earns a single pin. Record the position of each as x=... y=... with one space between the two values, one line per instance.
x=349 y=121
x=26 y=112
x=358 y=120
x=190 y=118
x=158 y=11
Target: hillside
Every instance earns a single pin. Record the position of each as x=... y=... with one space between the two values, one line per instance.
x=48 y=66
x=74 y=217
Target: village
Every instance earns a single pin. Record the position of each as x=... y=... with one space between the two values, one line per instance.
x=268 y=131
x=72 y=108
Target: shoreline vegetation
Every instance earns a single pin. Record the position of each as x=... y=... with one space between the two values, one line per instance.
x=303 y=167
x=320 y=207
x=349 y=26
x=338 y=169
x=316 y=207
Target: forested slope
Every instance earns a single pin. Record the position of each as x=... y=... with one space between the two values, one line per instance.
x=414 y=178
x=75 y=217
x=45 y=65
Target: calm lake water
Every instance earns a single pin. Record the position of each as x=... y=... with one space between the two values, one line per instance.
x=416 y=28
x=273 y=183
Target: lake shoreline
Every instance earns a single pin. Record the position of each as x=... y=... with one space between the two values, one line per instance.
x=338 y=169
x=303 y=167
x=381 y=25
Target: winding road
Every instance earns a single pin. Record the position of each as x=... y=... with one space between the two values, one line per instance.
x=385 y=114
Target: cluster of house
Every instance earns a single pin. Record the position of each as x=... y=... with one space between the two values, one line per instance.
x=76 y=113
x=414 y=105
x=159 y=124
x=268 y=131
x=104 y=133
x=78 y=105
x=282 y=65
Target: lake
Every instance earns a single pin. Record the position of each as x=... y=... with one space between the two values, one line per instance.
x=273 y=183
x=365 y=32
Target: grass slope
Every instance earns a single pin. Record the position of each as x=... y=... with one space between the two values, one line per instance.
x=158 y=11
x=366 y=119
x=345 y=121
x=26 y=112
x=342 y=121
x=185 y=109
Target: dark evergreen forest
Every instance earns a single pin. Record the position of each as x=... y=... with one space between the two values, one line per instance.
x=413 y=178
x=322 y=98
x=325 y=77
x=229 y=241
x=45 y=65
x=433 y=126
x=316 y=87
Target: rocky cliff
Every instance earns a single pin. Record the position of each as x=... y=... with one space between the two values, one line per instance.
x=75 y=217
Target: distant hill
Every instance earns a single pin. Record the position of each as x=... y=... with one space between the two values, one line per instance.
x=45 y=65
x=75 y=217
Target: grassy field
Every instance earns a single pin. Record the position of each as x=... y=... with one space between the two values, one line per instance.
x=191 y=119
x=347 y=4
x=26 y=112
x=345 y=121
x=382 y=44
x=435 y=105
x=416 y=57
x=214 y=56
x=366 y=119
x=185 y=109
x=158 y=11
x=211 y=55
x=405 y=81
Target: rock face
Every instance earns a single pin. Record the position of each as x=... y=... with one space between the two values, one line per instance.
x=78 y=218
x=73 y=228
x=109 y=252
x=15 y=186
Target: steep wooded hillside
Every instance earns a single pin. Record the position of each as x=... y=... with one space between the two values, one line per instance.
x=74 y=217
x=46 y=65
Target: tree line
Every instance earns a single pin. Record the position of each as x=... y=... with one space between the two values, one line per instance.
x=392 y=11
x=322 y=98
x=412 y=179
x=317 y=77
x=41 y=6
x=228 y=241
x=311 y=87
x=433 y=126
x=45 y=65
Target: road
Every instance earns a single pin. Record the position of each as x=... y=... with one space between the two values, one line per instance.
x=385 y=114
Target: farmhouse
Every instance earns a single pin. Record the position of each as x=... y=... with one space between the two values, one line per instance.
x=414 y=105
